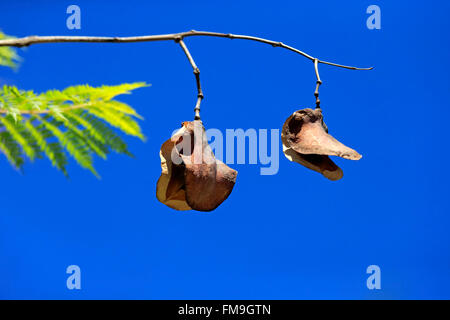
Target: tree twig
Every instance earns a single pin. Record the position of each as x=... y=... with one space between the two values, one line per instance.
x=27 y=41
x=177 y=37
x=200 y=95
x=318 y=82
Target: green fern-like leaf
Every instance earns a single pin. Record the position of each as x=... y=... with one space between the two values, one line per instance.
x=78 y=121
x=22 y=136
x=53 y=150
x=8 y=55
x=11 y=149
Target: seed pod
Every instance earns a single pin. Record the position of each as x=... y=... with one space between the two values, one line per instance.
x=191 y=177
x=306 y=141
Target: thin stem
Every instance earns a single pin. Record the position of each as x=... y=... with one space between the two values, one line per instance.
x=200 y=95
x=318 y=82
x=34 y=112
x=26 y=41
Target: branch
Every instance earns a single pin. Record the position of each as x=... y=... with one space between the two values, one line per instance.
x=27 y=41
x=200 y=95
x=178 y=38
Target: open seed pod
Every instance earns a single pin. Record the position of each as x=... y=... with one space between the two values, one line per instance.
x=306 y=141
x=191 y=177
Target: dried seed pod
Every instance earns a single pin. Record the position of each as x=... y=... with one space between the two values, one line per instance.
x=191 y=177
x=306 y=141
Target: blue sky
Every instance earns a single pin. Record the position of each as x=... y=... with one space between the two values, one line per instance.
x=294 y=235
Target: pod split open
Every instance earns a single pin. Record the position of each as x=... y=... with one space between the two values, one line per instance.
x=306 y=141
x=191 y=177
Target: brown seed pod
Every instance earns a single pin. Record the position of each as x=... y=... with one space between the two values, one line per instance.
x=306 y=141
x=191 y=177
